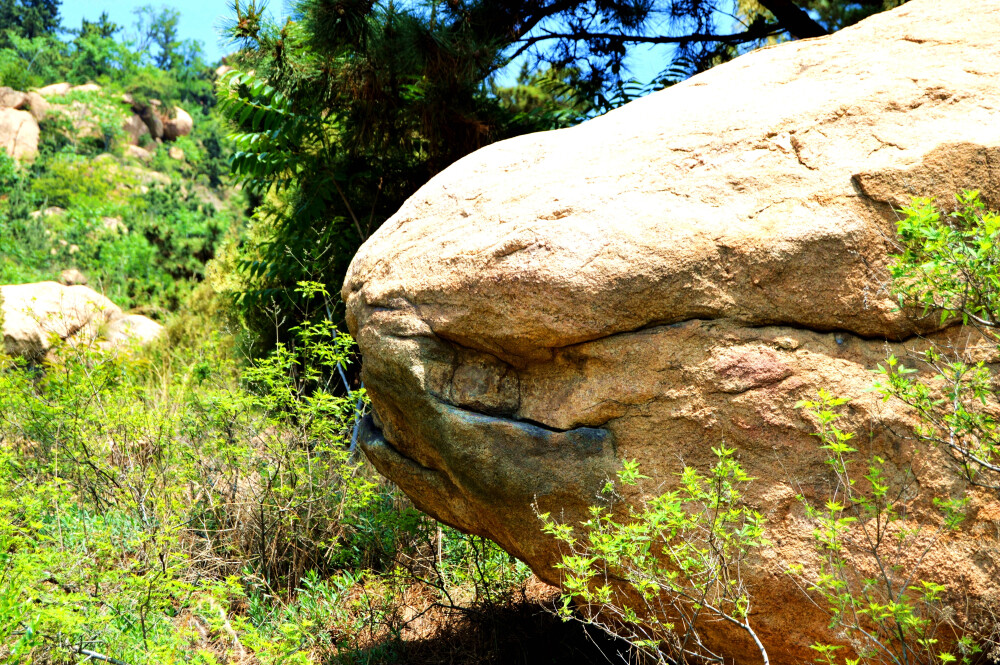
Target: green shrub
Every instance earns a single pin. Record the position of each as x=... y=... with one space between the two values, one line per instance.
x=949 y=268
x=890 y=616
x=163 y=507
x=656 y=573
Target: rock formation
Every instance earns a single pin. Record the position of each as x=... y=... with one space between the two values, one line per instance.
x=35 y=316
x=135 y=128
x=36 y=105
x=678 y=273
x=72 y=277
x=24 y=101
x=12 y=99
x=179 y=125
x=136 y=152
x=18 y=134
x=55 y=90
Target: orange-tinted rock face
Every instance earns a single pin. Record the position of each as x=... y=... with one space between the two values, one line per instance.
x=680 y=272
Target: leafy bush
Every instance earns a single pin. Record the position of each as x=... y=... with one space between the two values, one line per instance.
x=73 y=181
x=156 y=508
x=655 y=574
x=888 y=613
x=948 y=268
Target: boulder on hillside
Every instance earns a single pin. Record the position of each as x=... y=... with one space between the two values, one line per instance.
x=12 y=99
x=86 y=87
x=24 y=101
x=150 y=115
x=36 y=105
x=179 y=125
x=18 y=134
x=132 y=328
x=47 y=212
x=679 y=273
x=135 y=128
x=36 y=316
x=136 y=152
x=55 y=90
x=72 y=277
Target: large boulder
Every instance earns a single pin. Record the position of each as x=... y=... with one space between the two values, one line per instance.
x=18 y=134
x=678 y=273
x=37 y=316
x=180 y=124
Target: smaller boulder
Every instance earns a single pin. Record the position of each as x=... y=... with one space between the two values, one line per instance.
x=55 y=90
x=135 y=128
x=36 y=105
x=136 y=152
x=72 y=277
x=19 y=134
x=132 y=328
x=37 y=315
x=47 y=212
x=114 y=224
x=180 y=125
x=175 y=153
x=222 y=70
x=86 y=87
x=12 y=99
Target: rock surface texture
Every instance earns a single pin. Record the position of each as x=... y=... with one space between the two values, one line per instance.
x=179 y=125
x=18 y=134
x=677 y=273
x=34 y=316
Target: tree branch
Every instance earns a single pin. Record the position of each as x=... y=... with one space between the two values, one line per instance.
x=756 y=31
x=793 y=18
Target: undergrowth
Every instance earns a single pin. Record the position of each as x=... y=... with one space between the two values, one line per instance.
x=188 y=511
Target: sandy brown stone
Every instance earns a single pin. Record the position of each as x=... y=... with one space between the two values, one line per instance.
x=132 y=328
x=678 y=273
x=37 y=316
x=179 y=125
x=135 y=128
x=72 y=277
x=136 y=152
x=18 y=134
x=55 y=90
x=36 y=105
x=12 y=99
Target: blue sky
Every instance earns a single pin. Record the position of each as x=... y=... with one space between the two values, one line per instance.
x=200 y=20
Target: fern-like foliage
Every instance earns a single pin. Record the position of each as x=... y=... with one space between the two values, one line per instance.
x=268 y=153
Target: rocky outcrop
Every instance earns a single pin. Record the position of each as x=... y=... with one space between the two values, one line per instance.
x=36 y=105
x=12 y=99
x=160 y=125
x=62 y=89
x=72 y=277
x=55 y=90
x=180 y=124
x=135 y=128
x=18 y=134
x=37 y=316
x=681 y=272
